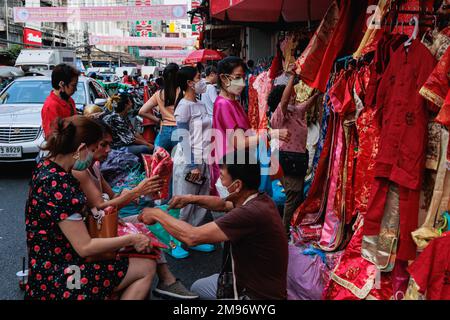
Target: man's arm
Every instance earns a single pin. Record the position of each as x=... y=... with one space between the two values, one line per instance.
x=212 y=203
x=182 y=231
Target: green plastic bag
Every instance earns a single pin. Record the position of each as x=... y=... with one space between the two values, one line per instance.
x=161 y=233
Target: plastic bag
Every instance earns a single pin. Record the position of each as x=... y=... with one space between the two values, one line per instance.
x=160 y=164
x=161 y=233
x=304 y=277
x=139 y=228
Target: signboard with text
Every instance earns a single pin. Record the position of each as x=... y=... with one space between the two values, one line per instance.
x=31 y=36
x=99 y=13
x=169 y=54
x=141 y=42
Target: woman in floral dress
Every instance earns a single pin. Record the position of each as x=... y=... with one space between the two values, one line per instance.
x=57 y=239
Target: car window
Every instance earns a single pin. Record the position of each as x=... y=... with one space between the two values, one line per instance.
x=27 y=92
x=80 y=95
x=100 y=91
x=35 y=91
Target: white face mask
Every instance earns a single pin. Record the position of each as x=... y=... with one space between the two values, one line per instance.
x=236 y=86
x=222 y=190
x=200 y=87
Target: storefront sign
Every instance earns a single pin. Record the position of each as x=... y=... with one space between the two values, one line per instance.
x=169 y=54
x=141 y=42
x=31 y=36
x=100 y=13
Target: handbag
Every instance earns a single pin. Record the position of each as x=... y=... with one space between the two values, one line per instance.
x=226 y=284
x=103 y=224
x=294 y=163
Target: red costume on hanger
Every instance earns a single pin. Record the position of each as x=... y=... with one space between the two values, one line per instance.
x=401 y=158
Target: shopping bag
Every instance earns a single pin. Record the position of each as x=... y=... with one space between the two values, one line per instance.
x=161 y=233
x=160 y=164
x=103 y=224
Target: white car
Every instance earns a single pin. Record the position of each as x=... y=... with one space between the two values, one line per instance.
x=21 y=103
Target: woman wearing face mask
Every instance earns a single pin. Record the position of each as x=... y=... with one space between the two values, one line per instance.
x=164 y=100
x=124 y=135
x=229 y=114
x=57 y=238
x=191 y=172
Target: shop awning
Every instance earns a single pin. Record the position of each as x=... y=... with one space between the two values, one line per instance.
x=269 y=11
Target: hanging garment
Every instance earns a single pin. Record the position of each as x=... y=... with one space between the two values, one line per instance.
x=387 y=45
x=439 y=42
x=381 y=248
x=444 y=114
x=409 y=209
x=253 y=109
x=437 y=86
x=312 y=208
x=373 y=33
x=369 y=137
x=340 y=201
x=318 y=152
x=263 y=85
x=431 y=270
x=354 y=278
x=334 y=37
x=332 y=226
x=401 y=158
x=439 y=201
x=433 y=146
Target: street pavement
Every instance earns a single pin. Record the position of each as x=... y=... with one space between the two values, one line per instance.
x=14 y=179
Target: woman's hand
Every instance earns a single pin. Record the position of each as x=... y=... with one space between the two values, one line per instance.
x=283 y=134
x=291 y=69
x=151 y=185
x=141 y=243
x=196 y=174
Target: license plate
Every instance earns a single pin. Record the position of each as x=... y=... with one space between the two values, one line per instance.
x=10 y=152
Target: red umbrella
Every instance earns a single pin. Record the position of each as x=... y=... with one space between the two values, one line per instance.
x=203 y=55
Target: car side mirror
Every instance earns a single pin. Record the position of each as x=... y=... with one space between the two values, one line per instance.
x=100 y=102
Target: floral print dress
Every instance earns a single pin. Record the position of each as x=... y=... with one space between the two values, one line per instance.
x=54 y=196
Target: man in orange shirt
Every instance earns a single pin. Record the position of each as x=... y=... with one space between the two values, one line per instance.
x=59 y=103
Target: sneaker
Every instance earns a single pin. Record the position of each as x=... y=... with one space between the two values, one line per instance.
x=175 y=291
x=204 y=248
x=179 y=253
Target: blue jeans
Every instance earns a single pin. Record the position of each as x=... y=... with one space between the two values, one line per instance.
x=164 y=138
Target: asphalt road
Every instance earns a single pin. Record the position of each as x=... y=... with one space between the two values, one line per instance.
x=14 y=181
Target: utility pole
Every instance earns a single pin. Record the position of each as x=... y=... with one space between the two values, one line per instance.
x=7 y=22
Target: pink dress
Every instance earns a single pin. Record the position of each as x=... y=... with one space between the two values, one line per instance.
x=228 y=115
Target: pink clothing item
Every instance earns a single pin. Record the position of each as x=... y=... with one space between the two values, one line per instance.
x=263 y=85
x=294 y=121
x=332 y=221
x=228 y=114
